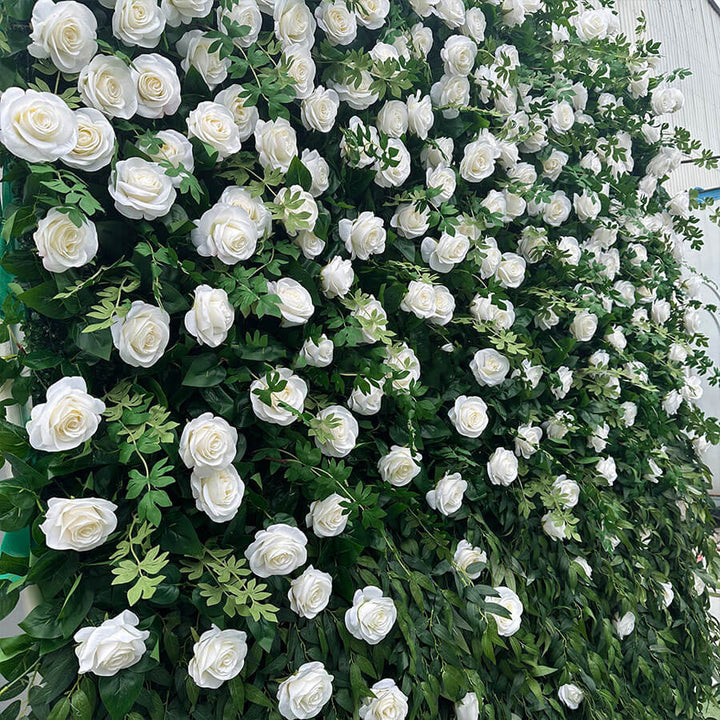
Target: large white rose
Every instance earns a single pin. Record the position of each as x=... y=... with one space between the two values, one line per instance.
x=458 y=55
x=245 y=13
x=469 y=416
x=410 y=221
x=142 y=335
x=358 y=97
x=372 y=13
x=158 y=86
x=372 y=318
x=218 y=492
x=527 y=440
x=215 y=125
x=393 y=118
x=508 y=599
x=399 y=466
x=194 y=46
x=371 y=616
x=210 y=317
x=245 y=116
x=276 y=144
x=337 y=20
x=301 y=69
x=562 y=117
x=319 y=109
x=420 y=114
x=208 y=442
x=303 y=694
x=95 y=144
x=66 y=32
x=327 y=518
x=447 y=495
x=292 y=396
x=184 y=11
x=339 y=431
x=337 y=277
x=61 y=244
x=393 y=175
x=667 y=100
x=366 y=403
x=567 y=490
x=141 y=189
x=467 y=555
x=478 y=160
x=318 y=354
x=489 y=367
x=419 y=299
x=68 y=417
x=36 y=126
x=442 y=180
x=469 y=707
x=624 y=625
x=570 y=695
x=294 y=23
x=218 y=656
x=172 y=147
x=226 y=232
x=310 y=593
x=584 y=325
x=502 y=467
x=296 y=305
x=278 y=550
x=364 y=236
x=113 y=646
x=79 y=525
x=138 y=22
x=450 y=93
x=442 y=255
x=557 y=210
x=587 y=206
x=388 y=702
x=401 y=358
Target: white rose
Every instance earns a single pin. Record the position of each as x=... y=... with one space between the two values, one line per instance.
x=337 y=21
x=660 y=311
x=218 y=656
x=319 y=110
x=469 y=707
x=283 y=402
x=61 y=244
x=65 y=32
x=276 y=144
x=419 y=299
x=208 y=442
x=358 y=97
x=278 y=550
x=138 y=22
x=36 y=126
x=340 y=430
x=310 y=244
x=587 y=206
x=363 y=236
x=294 y=23
x=570 y=695
x=616 y=338
x=562 y=117
x=567 y=490
x=624 y=625
x=584 y=325
x=303 y=694
x=245 y=116
x=399 y=466
x=318 y=354
x=319 y=171
x=450 y=93
x=393 y=118
x=226 y=232
x=141 y=189
x=458 y=55
x=442 y=180
x=583 y=563
x=554 y=164
x=502 y=467
x=510 y=272
x=667 y=100
x=451 y=12
x=570 y=250
x=194 y=48
x=218 y=492
x=142 y=335
x=301 y=69
x=170 y=146
x=299 y=205
x=113 y=646
x=401 y=358
x=309 y=594
x=372 y=13
x=158 y=86
x=591 y=24
x=210 y=317
x=215 y=125
x=296 y=306
x=388 y=703
x=419 y=114
x=366 y=403
x=442 y=255
x=395 y=175
x=184 y=11
x=79 y=525
x=467 y=555
x=95 y=144
x=668 y=593
x=508 y=599
x=372 y=318
x=444 y=306
x=337 y=277
x=245 y=13
x=607 y=469
x=447 y=495
x=371 y=616
x=68 y=417
x=438 y=152
x=489 y=367
x=478 y=160
x=557 y=211
x=327 y=518
x=410 y=221
x=527 y=441
x=469 y=416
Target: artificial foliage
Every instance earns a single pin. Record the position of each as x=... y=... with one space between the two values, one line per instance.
x=372 y=378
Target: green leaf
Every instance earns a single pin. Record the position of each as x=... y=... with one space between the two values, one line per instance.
x=257 y=696
x=43 y=622
x=61 y=709
x=119 y=692
x=204 y=371
x=179 y=536
x=298 y=174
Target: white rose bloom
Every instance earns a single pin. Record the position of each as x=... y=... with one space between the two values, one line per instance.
x=245 y=13
x=278 y=550
x=158 y=86
x=141 y=189
x=366 y=403
x=554 y=164
x=527 y=441
x=442 y=255
x=469 y=707
x=585 y=565
x=358 y=97
x=179 y=12
x=215 y=125
x=291 y=396
x=194 y=47
x=506 y=627
x=337 y=21
x=327 y=518
x=36 y=126
x=371 y=616
x=441 y=179
x=296 y=306
x=419 y=299
x=68 y=417
x=598 y=439
x=624 y=625
x=303 y=694
x=388 y=703
x=372 y=318
x=276 y=144
x=287 y=198
x=562 y=117
x=450 y=93
x=554 y=529
x=218 y=492
x=210 y=317
x=444 y=306
x=570 y=695
x=420 y=116
x=208 y=442
x=310 y=593
x=591 y=24
x=510 y=272
x=447 y=495
x=253 y=206
x=469 y=416
x=660 y=311
x=174 y=148
x=319 y=110
x=393 y=175
x=310 y=244
x=478 y=160
x=667 y=100
x=95 y=144
x=318 y=354
x=393 y=118
x=607 y=469
x=570 y=250
x=410 y=221
x=502 y=467
x=451 y=12
x=458 y=55
x=115 y=645
x=568 y=491
x=138 y=22
x=616 y=338
x=337 y=277
x=668 y=594
x=294 y=23
x=587 y=206
x=61 y=244
x=301 y=69
x=142 y=335
x=401 y=358
x=467 y=555
x=65 y=32
x=341 y=436
x=226 y=232
x=584 y=325
x=440 y=152
x=372 y=13
x=218 y=656
x=79 y=525
x=557 y=211
x=244 y=116
x=489 y=367
x=399 y=466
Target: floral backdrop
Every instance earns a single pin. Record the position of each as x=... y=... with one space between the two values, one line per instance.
x=362 y=360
